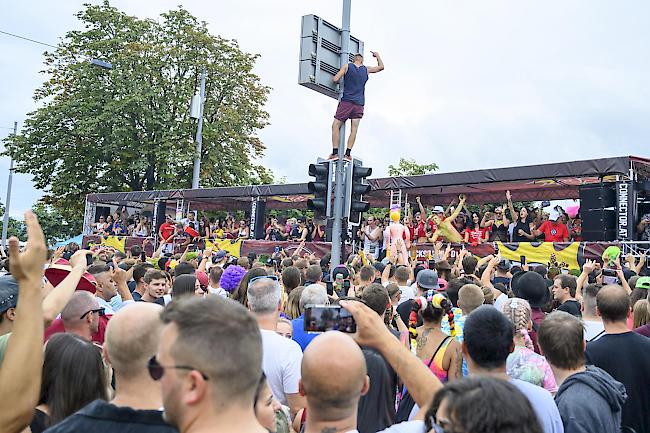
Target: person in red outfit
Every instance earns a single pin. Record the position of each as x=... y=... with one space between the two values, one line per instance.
x=552 y=229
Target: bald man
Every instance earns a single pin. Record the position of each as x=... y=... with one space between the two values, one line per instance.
x=470 y=297
x=132 y=338
x=625 y=355
x=332 y=400
x=81 y=315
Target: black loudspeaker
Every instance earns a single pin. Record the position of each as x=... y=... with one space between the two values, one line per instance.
x=161 y=208
x=100 y=211
x=258 y=211
x=597 y=196
x=598 y=225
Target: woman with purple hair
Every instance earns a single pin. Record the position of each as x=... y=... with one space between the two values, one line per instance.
x=231 y=277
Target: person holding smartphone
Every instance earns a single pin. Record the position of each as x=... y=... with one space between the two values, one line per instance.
x=643 y=228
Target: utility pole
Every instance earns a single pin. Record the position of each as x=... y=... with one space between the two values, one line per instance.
x=199 y=134
x=5 y=222
x=340 y=163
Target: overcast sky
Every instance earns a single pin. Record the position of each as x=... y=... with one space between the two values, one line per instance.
x=468 y=84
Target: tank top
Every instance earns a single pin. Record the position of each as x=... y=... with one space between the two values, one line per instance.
x=435 y=363
x=354 y=84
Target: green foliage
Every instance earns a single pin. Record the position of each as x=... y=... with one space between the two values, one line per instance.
x=14 y=227
x=408 y=167
x=129 y=128
x=55 y=226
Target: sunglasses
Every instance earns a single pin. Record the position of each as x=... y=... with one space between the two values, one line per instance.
x=100 y=311
x=157 y=371
x=270 y=277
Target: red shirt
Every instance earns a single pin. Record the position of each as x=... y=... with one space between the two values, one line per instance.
x=57 y=327
x=420 y=232
x=554 y=232
x=166 y=230
x=475 y=235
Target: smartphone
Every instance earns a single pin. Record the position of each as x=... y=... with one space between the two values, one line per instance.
x=609 y=277
x=546 y=203
x=522 y=260
x=323 y=318
x=89 y=259
x=276 y=249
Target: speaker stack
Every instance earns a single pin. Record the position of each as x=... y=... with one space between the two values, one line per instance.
x=598 y=213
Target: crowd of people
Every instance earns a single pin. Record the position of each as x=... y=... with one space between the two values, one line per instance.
x=108 y=341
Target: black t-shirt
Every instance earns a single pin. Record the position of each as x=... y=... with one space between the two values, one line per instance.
x=515 y=232
x=376 y=410
x=103 y=417
x=498 y=233
x=404 y=310
x=572 y=307
x=503 y=280
x=626 y=357
x=138 y=298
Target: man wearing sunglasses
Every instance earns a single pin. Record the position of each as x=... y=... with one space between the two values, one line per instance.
x=209 y=366
x=81 y=315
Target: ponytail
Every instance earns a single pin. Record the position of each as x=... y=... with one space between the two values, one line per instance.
x=417 y=306
x=440 y=302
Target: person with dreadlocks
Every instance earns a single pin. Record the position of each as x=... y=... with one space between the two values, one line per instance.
x=523 y=363
x=439 y=351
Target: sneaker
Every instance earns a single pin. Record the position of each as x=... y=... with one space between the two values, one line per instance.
x=333 y=157
x=347 y=157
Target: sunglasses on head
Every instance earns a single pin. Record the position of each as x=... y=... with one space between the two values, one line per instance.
x=270 y=277
x=157 y=371
x=100 y=311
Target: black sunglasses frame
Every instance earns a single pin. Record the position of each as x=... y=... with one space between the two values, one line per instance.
x=157 y=371
x=95 y=310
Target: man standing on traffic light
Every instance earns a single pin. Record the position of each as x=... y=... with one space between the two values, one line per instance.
x=351 y=104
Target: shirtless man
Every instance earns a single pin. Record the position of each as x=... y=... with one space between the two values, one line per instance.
x=353 y=100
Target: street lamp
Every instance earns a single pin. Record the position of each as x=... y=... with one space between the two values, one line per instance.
x=101 y=64
x=196 y=112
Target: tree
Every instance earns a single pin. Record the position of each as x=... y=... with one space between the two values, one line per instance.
x=55 y=226
x=129 y=128
x=408 y=167
x=14 y=227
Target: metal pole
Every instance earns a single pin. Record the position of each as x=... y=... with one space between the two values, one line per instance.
x=199 y=134
x=5 y=222
x=340 y=167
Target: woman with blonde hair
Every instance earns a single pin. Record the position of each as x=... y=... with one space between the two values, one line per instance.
x=292 y=307
x=641 y=313
x=523 y=363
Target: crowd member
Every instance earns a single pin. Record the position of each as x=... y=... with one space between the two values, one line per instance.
x=292 y=309
x=275 y=231
x=564 y=291
x=497 y=225
x=480 y=404
x=21 y=367
x=290 y=278
x=332 y=405
x=623 y=354
x=138 y=286
x=239 y=290
x=425 y=280
x=204 y=387
x=81 y=315
x=474 y=233
x=132 y=338
x=186 y=285
x=282 y=357
x=313 y=275
x=314 y=294
x=73 y=376
x=470 y=297
x=589 y=399
x=155 y=287
x=643 y=228
x=371 y=234
x=284 y=328
x=592 y=322
x=214 y=284
x=522 y=230
x=267 y=409
x=487 y=343
x=523 y=363
x=640 y=313
x=501 y=268
x=406 y=292
x=112 y=292
x=530 y=286
x=553 y=229
x=377 y=407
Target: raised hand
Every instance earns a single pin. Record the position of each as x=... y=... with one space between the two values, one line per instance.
x=78 y=259
x=589 y=266
x=28 y=266
x=508 y=195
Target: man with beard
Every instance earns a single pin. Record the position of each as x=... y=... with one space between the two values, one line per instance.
x=209 y=364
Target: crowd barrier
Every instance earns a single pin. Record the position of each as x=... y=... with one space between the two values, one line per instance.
x=567 y=255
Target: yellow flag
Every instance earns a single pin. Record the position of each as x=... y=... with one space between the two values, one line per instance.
x=114 y=241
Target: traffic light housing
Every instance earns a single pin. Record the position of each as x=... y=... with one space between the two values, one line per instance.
x=356 y=186
x=321 y=188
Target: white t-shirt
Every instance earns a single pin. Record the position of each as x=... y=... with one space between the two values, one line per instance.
x=594 y=329
x=281 y=363
x=406 y=427
x=499 y=301
x=406 y=293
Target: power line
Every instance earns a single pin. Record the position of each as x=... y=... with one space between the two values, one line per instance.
x=28 y=39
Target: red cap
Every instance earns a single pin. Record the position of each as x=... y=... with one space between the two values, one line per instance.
x=61 y=268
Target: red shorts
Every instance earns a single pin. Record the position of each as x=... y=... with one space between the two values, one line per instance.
x=348 y=110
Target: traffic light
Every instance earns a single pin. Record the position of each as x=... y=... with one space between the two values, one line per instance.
x=321 y=187
x=355 y=187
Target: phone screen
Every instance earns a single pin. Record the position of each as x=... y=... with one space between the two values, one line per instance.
x=522 y=260
x=89 y=259
x=607 y=279
x=323 y=318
